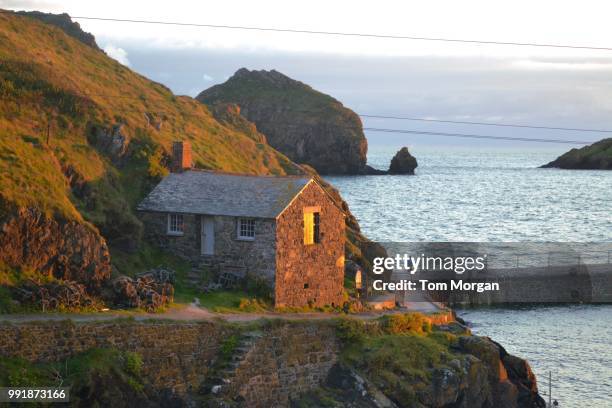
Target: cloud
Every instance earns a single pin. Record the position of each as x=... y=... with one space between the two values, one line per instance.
x=207 y=77
x=562 y=65
x=118 y=54
x=27 y=4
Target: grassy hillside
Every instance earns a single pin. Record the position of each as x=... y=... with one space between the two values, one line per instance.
x=597 y=156
x=52 y=84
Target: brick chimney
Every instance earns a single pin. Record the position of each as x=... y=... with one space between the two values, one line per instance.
x=181 y=156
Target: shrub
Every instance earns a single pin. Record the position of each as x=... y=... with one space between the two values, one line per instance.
x=351 y=330
x=404 y=323
x=228 y=346
x=156 y=169
x=133 y=363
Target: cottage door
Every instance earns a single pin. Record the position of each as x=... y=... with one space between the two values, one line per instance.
x=208 y=236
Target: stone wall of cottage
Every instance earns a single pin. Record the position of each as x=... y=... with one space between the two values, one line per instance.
x=310 y=274
x=255 y=258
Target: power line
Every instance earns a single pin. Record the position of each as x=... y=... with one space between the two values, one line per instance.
x=344 y=34
x=145 y=110
x=513 y=125
x=472 y=136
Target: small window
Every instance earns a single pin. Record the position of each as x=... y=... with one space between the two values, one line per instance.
x=312 y=227
x=246 y=229
x=175 y=224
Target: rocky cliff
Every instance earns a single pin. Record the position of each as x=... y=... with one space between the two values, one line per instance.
x=597 y=156
x=65 y=249
x=308 y=126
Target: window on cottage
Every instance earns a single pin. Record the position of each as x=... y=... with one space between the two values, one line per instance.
x=246 y=229
x=312 y=227
x=175 y=224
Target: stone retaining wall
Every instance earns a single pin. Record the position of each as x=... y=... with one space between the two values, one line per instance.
x=287 y=360
x=285 y=363
x=176 y=356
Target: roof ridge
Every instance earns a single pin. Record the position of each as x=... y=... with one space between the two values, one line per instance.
x=272 y=176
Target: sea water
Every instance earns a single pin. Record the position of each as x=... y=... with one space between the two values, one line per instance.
x=500 y=195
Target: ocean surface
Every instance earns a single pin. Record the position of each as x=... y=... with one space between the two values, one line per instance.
x=573 y=343
x=481 y=196
x=500 y=195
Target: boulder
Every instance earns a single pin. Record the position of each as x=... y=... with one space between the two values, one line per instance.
x=403 y=162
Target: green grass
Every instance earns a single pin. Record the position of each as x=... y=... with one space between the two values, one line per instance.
x=78 y=372
x=397 y=353
x=230 y=302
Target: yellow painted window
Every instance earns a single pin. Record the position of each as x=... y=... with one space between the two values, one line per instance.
x=312 y=227
x=308 y=228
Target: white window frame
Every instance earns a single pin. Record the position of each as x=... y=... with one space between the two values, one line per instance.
x=249 y=228
x=176 y=224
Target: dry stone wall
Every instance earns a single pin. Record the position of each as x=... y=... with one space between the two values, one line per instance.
x=176 y=356
x=286 y=362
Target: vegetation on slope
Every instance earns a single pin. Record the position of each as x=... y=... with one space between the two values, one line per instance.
x=597 y=156
x=83 y=138
x=54 y=86
x=97 y=377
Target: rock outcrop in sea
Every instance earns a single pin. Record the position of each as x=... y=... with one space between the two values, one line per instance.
x=308 y=126
x=403 y=162
x=597 y=156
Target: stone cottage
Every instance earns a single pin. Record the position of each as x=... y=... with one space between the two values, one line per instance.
x=286 y=231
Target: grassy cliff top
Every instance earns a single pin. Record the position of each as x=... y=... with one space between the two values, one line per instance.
x=295 y=96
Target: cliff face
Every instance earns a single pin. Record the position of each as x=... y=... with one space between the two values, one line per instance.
x=67 y=250
x=308 y=126
x=597 y=156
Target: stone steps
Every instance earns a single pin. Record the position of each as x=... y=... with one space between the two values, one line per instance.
x=241 y=352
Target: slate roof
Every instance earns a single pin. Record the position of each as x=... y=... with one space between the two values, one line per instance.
x=204 y=192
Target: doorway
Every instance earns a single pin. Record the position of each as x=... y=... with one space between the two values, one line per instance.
x=208 y=235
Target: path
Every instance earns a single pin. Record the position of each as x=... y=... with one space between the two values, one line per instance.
x=194 y=313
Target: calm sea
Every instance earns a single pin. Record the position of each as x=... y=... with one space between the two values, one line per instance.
x=499 y=195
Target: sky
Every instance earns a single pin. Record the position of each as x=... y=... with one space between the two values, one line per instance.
x=382 y=76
